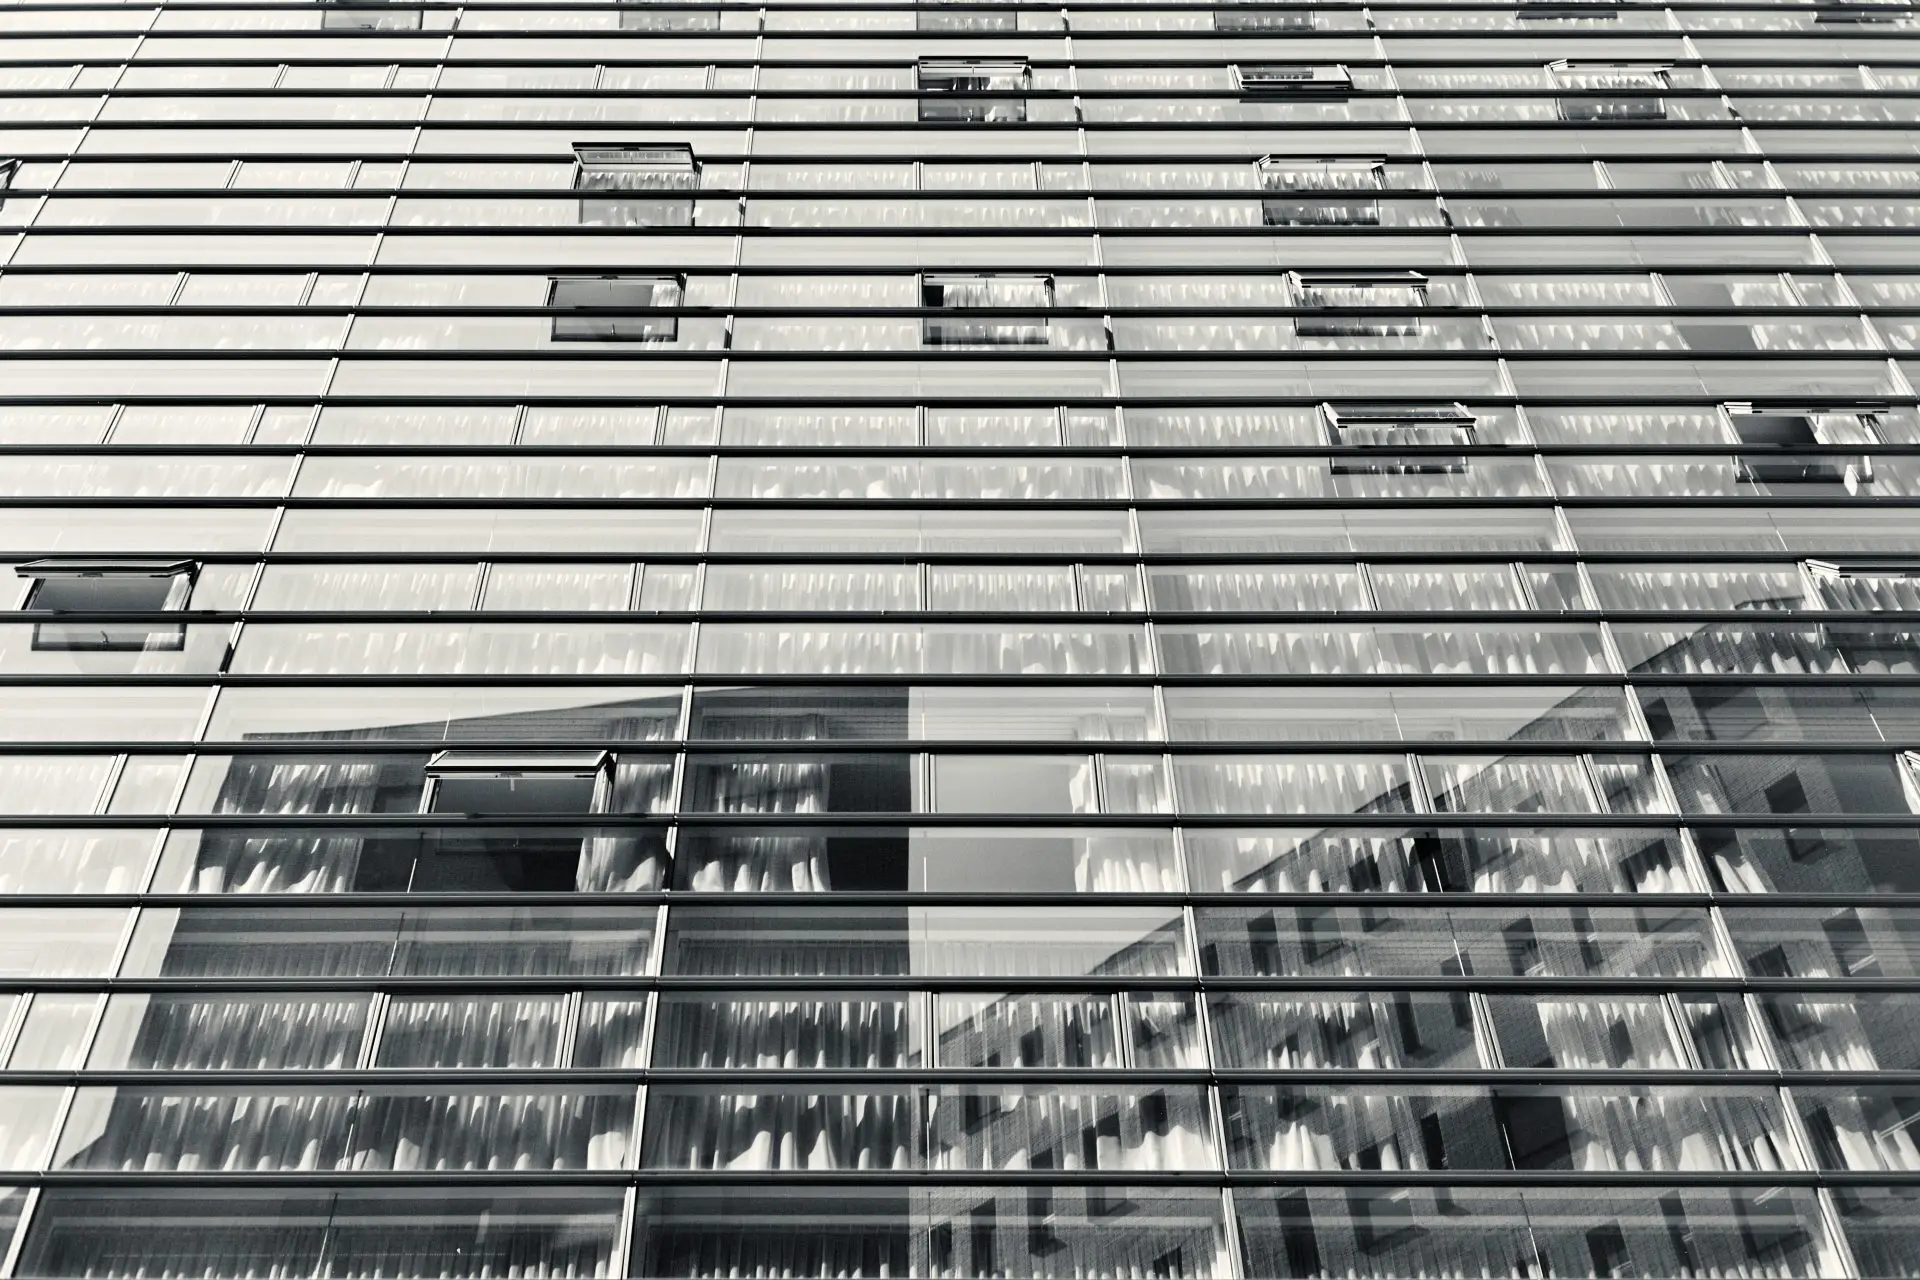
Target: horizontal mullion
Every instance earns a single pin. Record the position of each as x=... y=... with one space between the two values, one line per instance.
x=457 y=1079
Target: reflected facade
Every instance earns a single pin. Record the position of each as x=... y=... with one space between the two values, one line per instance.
x=960 y=641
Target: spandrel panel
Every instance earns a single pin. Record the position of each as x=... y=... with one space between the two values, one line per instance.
x=1538 y=942
x=1011 y=941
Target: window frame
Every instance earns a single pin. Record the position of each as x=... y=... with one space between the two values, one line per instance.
x=658 y=324
x=112 y=637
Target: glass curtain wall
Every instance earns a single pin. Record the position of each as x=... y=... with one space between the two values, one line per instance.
x=1261 y=639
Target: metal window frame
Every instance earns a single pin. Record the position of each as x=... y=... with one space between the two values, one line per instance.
x=116 y=636
x=1275 y=80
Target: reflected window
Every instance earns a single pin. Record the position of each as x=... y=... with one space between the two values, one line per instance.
x=972 y=90
x=645 y=185
x=651 y=15
x=1275 y=80
x=1781 y=430
x=108 y=586
x=367 y=15
x=613 y=308
x=1386 y=426
x=1340 y=304
x=1612 y=90
x=1320 y=192
x=956 y=293
x=1255 y=15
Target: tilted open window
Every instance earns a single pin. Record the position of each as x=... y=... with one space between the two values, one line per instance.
x=616 y=308
x=1780 y=431
x=531 y=785
x=367 y=15
x=973 y=90
x=108 y=586
x=1340 y=303
x=640 y=184
x=1321 y=193
x=1257 y=15
x=1391 y=427
x=960 y=294
x=963 y=15
x=1612 y=90
x=1872 y=13
x=1867 y=585
x=1274 y=80
x=654 y=15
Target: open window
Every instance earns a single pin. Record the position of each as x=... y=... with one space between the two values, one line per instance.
x=367 y=15
x=1321 y=193
x=963 y=15
x=615 y=308
x=653 y=15
x=1867 y=585
x=1274 y=80
x=637 y=184
x=960 y=294
x=973 y=90
x=1341 y=304
x=1257 y=15
x=61 y=586
x=530 y=785
x=1776 y=433
x=1612 y=90
x=1872 y=13
x=1388 y=428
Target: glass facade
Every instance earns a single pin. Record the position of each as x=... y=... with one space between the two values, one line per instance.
x=968 y=641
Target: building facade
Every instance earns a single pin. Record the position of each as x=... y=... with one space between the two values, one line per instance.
x=1143 y=640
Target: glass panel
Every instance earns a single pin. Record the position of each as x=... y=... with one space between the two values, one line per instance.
x=976 y=1233
x=935 y=941
x=1384 y=1233
x=230 y=1032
